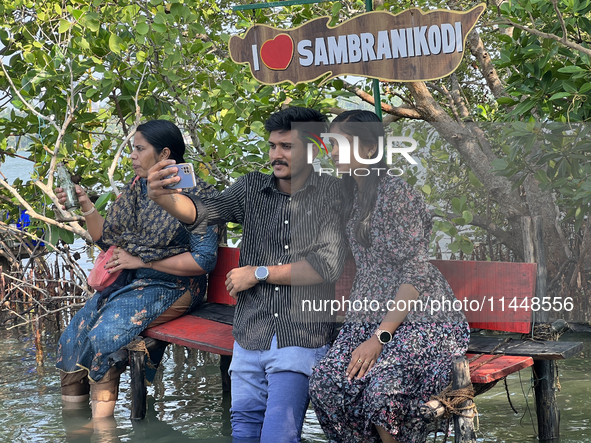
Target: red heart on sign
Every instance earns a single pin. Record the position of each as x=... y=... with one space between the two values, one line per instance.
x=277 y=53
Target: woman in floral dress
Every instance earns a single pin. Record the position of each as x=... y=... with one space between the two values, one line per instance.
x=387 y=359
x=163 y=275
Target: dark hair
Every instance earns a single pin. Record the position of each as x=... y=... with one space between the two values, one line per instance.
x=282 y=120
x=312 y=120
x=164 y=134
x=349 y=123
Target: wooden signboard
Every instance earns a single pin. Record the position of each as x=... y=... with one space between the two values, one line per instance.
x=410 y=46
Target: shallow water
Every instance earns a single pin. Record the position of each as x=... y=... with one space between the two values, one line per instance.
x=186 y=402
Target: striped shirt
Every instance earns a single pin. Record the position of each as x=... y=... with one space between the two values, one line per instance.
x=279 y=228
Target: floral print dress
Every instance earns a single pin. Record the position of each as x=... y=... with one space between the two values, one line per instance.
x=95 y=332
x=417 y=362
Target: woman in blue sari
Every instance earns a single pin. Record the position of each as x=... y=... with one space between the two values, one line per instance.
x=163 y=274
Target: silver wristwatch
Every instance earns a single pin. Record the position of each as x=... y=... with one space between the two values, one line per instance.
x=261 y=273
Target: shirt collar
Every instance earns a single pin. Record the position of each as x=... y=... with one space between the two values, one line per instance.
x=269 y=182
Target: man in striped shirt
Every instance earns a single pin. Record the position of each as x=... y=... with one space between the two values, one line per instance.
x=293 y=250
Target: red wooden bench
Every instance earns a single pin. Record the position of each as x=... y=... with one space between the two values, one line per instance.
x=493 y=294
x=209 y=328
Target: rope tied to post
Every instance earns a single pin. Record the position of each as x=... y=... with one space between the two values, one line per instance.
x=452 y=399
x=139 y=345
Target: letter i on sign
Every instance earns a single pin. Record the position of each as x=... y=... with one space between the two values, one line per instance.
x=255 y=57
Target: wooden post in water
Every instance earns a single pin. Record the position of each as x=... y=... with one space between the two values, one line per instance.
x=463 y=424
x=225 y=361
x=544 y=371
x=137 y=374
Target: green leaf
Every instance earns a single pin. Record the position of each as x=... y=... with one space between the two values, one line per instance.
x=66 y=236
x=560 y=95
x=160 y=18
x=76 y=13
x=427 y=189
x=499 y=164
x=467 y=215
x=573 y=69
x=54 y=235
x=541 y=176
x=570 y=87
x=91 y=20
x=142 y=28
x=258 y=128
x=102 y=201
x=64 y=26
x=467 y=247
x=29 y=57
x=473 y=179
x=524 y=106
x=84 y=43
x=456 y=205
x=115 y=43
x=228 y=87
x=506 y=101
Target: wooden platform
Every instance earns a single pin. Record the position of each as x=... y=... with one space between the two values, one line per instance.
x=495 y=368
x=196 y=333
x=537 y=349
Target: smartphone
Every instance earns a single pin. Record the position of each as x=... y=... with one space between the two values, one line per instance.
x=185 y=172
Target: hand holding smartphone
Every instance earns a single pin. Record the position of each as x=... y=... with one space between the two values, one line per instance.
x=185 y=172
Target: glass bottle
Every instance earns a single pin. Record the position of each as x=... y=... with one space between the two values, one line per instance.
x=65 y=182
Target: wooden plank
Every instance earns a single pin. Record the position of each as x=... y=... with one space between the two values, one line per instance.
x=538 y=350
x=487 y=289
x=196 y=333
x=216 y=286
x=498 y=368
x=215 y=312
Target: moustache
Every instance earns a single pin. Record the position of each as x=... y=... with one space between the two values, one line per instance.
x=279 y=162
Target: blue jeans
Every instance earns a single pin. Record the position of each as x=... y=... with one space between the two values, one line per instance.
x=270 y=392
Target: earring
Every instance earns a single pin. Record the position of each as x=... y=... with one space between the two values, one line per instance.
x=369 y=154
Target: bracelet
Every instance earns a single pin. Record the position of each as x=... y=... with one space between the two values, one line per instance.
x=84 y=214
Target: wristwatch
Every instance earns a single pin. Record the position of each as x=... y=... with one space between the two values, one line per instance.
x=384 y=337
x=261 y=273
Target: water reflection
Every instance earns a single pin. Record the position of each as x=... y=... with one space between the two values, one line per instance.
x=81 y=428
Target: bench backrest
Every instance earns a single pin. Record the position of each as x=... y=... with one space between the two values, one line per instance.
x=494 y=295
x=216 y=285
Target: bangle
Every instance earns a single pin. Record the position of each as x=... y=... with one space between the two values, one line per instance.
x=84 y=214
x=150 y=265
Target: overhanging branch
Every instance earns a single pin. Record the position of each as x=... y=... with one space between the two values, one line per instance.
x=562 y=41
x=399 y=111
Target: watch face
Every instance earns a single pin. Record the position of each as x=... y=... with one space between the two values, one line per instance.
x=385 y=337
x=261 y=273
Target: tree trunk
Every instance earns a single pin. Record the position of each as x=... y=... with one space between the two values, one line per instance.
x=509 y=201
